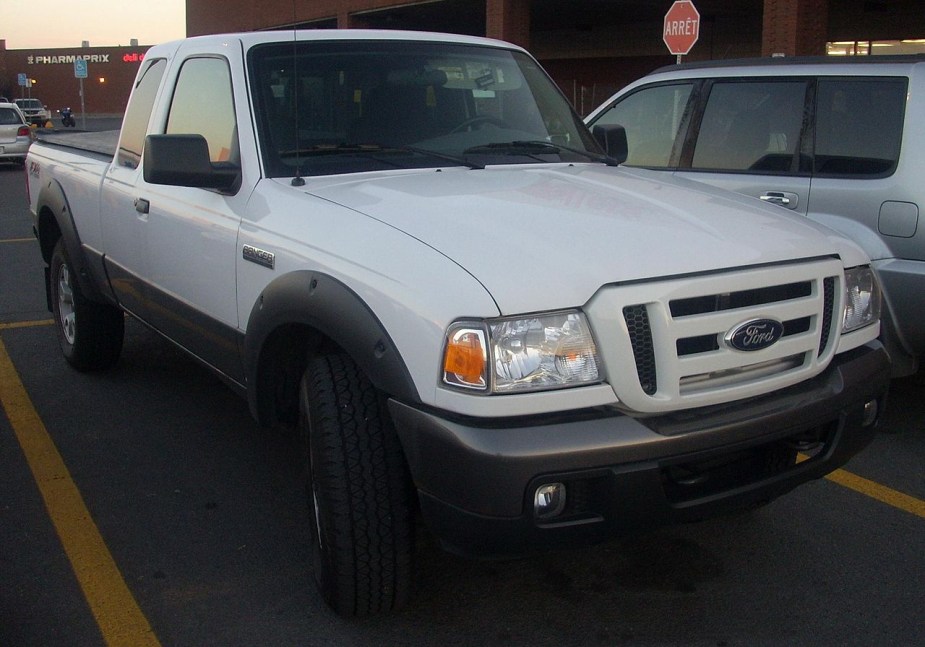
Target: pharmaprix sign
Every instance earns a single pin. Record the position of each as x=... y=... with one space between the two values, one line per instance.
x=68 y=59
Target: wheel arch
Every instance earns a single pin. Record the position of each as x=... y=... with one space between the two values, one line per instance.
x=55 y=221
x=303 y=313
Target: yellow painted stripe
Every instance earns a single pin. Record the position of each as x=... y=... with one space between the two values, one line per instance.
x=879 y=492
x=116 y=612
x=17 y=240
x=874 y=490
x=26 y=324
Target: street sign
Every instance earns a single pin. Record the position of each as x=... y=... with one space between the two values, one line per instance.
x=682 y=27
x=23 y=79
x=80 y=68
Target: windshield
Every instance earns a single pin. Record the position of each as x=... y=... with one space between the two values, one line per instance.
x=31 y=104
x=342 y=107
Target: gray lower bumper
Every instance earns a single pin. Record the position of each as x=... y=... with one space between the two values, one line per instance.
x=476 y=480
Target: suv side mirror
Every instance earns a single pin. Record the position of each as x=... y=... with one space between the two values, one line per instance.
x=613 y=139
x=183 y=160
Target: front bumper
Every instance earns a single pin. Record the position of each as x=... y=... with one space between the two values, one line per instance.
x=476 y=479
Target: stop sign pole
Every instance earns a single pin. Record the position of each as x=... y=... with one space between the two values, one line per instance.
x=681 y=28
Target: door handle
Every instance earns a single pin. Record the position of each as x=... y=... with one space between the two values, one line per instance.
x=142 y=205
x=781 y=198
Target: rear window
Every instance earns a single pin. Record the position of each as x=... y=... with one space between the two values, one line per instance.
x=858 y=126
x=8 y=117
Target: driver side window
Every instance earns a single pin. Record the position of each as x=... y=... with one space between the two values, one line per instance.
x=652 y=118
x=203 y=104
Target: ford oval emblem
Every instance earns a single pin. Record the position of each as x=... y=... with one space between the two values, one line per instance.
x=755 y=334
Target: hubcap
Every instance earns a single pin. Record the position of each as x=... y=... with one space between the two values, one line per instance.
x=66 y=315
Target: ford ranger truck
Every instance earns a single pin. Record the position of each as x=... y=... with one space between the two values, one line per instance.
x=409 y=248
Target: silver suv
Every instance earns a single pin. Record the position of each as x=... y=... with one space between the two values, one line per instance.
x=837 y=140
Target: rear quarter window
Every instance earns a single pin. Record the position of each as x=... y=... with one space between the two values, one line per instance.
x=859 y=125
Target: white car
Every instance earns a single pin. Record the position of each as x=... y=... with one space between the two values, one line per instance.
x=15 y=134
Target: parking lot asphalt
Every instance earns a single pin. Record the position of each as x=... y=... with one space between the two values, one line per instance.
x=143 y=506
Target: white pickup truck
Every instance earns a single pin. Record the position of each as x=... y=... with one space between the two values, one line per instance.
x=409 y=248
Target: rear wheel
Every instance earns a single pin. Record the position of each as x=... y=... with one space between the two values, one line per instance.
x=90 y=333
x=358 y=488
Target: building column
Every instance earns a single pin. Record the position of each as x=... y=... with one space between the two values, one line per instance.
x=508 y=20
x=347 y=20
x=795 y=27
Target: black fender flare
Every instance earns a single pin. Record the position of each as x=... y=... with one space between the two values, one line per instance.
x=52 y=197
x=335 y=311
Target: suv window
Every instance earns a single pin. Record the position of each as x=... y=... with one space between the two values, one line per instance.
x=652 y=118
x=135 y=124
x=751 y=126
x=858 y=126
x=203 y=103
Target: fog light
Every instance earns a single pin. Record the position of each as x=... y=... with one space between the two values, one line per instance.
x=549 y=500
x=871 y=411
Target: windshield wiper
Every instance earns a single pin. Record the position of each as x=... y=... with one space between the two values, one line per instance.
x=337 y=149
x=531 y=147
x=373 y=150
x=444 y=156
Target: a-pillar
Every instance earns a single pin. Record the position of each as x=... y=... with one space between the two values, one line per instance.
x=795 y=27
x=508 y=20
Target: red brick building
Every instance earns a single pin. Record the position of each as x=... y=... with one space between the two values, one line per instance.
x=110 y=73
x=590 y=47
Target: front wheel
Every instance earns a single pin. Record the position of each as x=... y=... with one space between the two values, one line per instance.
x=90 y=333
x=359 y=490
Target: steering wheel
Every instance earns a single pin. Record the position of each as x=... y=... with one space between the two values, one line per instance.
x=474 y=123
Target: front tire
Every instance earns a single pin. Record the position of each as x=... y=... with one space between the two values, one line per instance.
x=90 y=333
x=358 y=488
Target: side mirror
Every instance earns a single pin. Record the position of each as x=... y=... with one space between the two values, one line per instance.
x=613 y=140
x=183 y=160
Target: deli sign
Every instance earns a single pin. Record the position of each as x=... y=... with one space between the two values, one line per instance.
x=681 y=28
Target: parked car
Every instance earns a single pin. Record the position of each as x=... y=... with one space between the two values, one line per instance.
x=832 y=139
x=36 y=112
x=15 y=134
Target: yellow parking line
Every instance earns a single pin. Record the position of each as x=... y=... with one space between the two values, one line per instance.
x=17 y=240
x=116 y=612
x=26 y=324
x=879 y=492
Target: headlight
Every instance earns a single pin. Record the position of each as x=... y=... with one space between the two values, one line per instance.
x=524 y=354
x=862 y=299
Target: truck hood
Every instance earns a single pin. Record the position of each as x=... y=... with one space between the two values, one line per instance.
x=549 y=236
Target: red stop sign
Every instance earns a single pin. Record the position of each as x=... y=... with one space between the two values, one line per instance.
x=682 y=27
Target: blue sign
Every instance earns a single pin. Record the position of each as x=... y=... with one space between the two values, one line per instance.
x=80 y=68
x=23 y=79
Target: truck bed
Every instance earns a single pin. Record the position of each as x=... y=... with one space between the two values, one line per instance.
x=101 y=143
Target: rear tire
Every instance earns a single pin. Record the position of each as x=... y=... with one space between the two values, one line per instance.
x=358 y=487
x=90 y=334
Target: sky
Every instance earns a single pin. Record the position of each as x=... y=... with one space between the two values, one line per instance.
x=27 y=24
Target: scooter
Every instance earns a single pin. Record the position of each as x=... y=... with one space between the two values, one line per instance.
x=67 y=118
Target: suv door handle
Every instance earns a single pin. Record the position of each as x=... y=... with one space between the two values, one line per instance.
x=781 y=198
x=142 y=205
